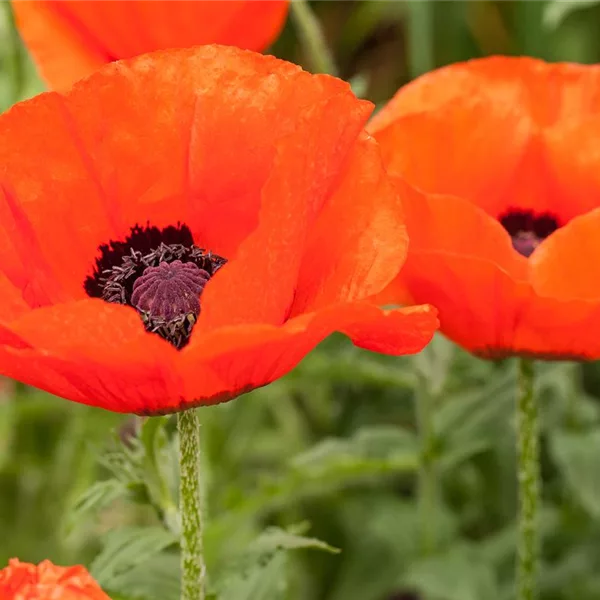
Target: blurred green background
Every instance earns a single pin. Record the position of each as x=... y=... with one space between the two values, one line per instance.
x=334 y=445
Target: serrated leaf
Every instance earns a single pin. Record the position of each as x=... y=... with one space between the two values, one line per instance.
x=96 y=498
x=557 y=11
x=259 y=573
x=577 y=455
x=126 y=548
x=274 y=539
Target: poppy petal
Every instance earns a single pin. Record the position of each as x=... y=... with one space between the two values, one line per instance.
x=249 y=356
x=292 y=198
x=494 y=81
x=230 y=112
x=345 y=257
x=63 y=53
x=128 y=370
x=480 y=305
x=467 y=151
x=563 y=266
x=13 y=304
x=71 y=39
x=451 y=225
x=572 y=157
x=556 y=329
x=549 y=93
x=21 y=580
x=51 y=211
x=91 y=352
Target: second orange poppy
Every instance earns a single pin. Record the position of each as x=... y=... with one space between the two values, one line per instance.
x=504 y=223
x=69 y=39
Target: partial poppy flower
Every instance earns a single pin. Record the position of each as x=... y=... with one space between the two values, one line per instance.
x=504 y=222
x=70 y=39
x=24 y=581
x=184 y=227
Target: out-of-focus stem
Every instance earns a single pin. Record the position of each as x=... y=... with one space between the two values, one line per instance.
x=312 y=38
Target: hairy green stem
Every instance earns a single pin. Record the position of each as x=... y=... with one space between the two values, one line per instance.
x=529 y=483
x=193 y=569
x=427 y=484
x=312 y=38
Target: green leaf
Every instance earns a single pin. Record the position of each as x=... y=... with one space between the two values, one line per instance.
x=460 y=574
x=126 y=548
x=381 y=540
x=259 y=573
x=266 y=581
x=153 y=579
x=96 y=498
x=577 y=455
x=557 y=11
x=274 y=539
x=371 y=454
x=384 y=448
x=469 y=421
x=434 y=363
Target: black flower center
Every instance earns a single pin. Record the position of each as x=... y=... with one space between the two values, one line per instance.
x=527 y=229
x=161 y=273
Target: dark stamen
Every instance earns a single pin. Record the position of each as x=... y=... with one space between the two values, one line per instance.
x=527 y=230
x=161 y=273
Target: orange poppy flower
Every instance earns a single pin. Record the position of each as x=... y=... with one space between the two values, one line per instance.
x=210 y=170
x=505 y=221
x=24 y=581
x=70 y=39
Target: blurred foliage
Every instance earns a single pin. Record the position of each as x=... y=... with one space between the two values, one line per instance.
x=331 y=451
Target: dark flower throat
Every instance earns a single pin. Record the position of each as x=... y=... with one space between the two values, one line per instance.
x=527 y=229
x=161 y=273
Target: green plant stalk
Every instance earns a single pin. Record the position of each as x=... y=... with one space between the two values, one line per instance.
x=529 y=482
x=312 y=38
x=193 y=568
x=421 y=36
x=427 y=482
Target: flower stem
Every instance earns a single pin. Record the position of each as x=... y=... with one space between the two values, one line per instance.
x=193 y=569
x=529 y=482
x=427 y=485
x=312 y=38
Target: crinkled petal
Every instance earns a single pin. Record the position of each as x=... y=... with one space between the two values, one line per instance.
x=467 y=151
x=129 y=370
x=24 y=581
x=564 y=265
x=245 y=357
x=357 y=245
x=447 y=224
x=91 y=352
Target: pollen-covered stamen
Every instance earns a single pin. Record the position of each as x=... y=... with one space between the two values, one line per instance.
x=527 y=230
x=170 y=290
